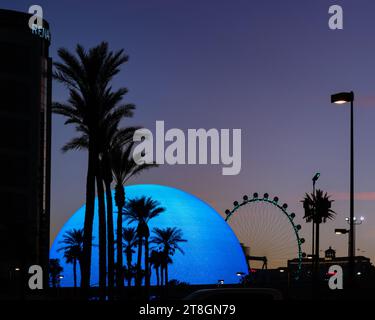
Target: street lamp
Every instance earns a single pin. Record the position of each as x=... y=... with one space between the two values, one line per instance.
x=356 y=222
x=341 y=231
x=316 y=177
x=342 y=98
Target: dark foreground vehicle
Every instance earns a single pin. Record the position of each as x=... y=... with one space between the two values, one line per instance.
x=235 y=294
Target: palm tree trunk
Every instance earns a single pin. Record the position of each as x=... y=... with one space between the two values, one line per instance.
x=138 y=278
x=157 y=276
x=166 y=275
x=119 y=278
x=162 y=275
x=129 y=257
x=129 y=280
x=89 y=219
x=149 y=272
x=110 y=236
x=102 y=236
x=147 y=267
x=75 y=272
x=80 y=266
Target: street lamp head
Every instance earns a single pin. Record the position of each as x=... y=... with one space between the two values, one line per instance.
x=316 y=177
x=341 y=231
x=362 y=218
x=342 y=97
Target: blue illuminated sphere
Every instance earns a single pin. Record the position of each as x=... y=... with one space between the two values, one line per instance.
x=212 y=251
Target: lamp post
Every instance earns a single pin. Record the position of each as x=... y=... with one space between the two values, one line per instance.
x=342 y=98
x=314 y=180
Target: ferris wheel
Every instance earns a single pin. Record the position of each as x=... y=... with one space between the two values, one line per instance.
x=267 y=232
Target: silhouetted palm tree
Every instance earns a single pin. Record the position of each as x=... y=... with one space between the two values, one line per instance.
x=87 y=75
x=55 y=270
x=73 y=245
x=168 y=240
x=317 y=210
x=156 y=262
x=112 y=138
x=129 y=273
x=129 y=242
x=123 y=169
x=142 y=210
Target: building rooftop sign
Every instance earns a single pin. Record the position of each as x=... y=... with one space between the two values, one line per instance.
x=41 y=32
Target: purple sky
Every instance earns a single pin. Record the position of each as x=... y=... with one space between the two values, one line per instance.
x=267 y=67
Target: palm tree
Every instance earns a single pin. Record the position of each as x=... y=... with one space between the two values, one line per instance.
x=156 y=261
x=55 y=270
x=73 y=244
x=113 y=139
x=317 y=210
x=129 y=238
x=168 y=240
x=142 y=210
x=87 y=75
x=128 y=273
x=123 y=168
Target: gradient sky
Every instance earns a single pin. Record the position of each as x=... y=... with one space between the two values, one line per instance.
x=267 y=67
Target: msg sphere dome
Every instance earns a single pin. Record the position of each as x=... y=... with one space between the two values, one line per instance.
x=212 y=251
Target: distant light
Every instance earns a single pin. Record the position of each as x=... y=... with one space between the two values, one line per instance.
x=282 y=270
x=240 y=274
x=221 y=282
x=61 y=277
x=17 y=269
x=347 y=219
x=362 y=218
x=359 y=273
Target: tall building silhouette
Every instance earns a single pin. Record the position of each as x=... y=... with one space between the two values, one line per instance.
x=25 y=140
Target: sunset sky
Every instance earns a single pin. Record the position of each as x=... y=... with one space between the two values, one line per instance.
x=266 y=67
